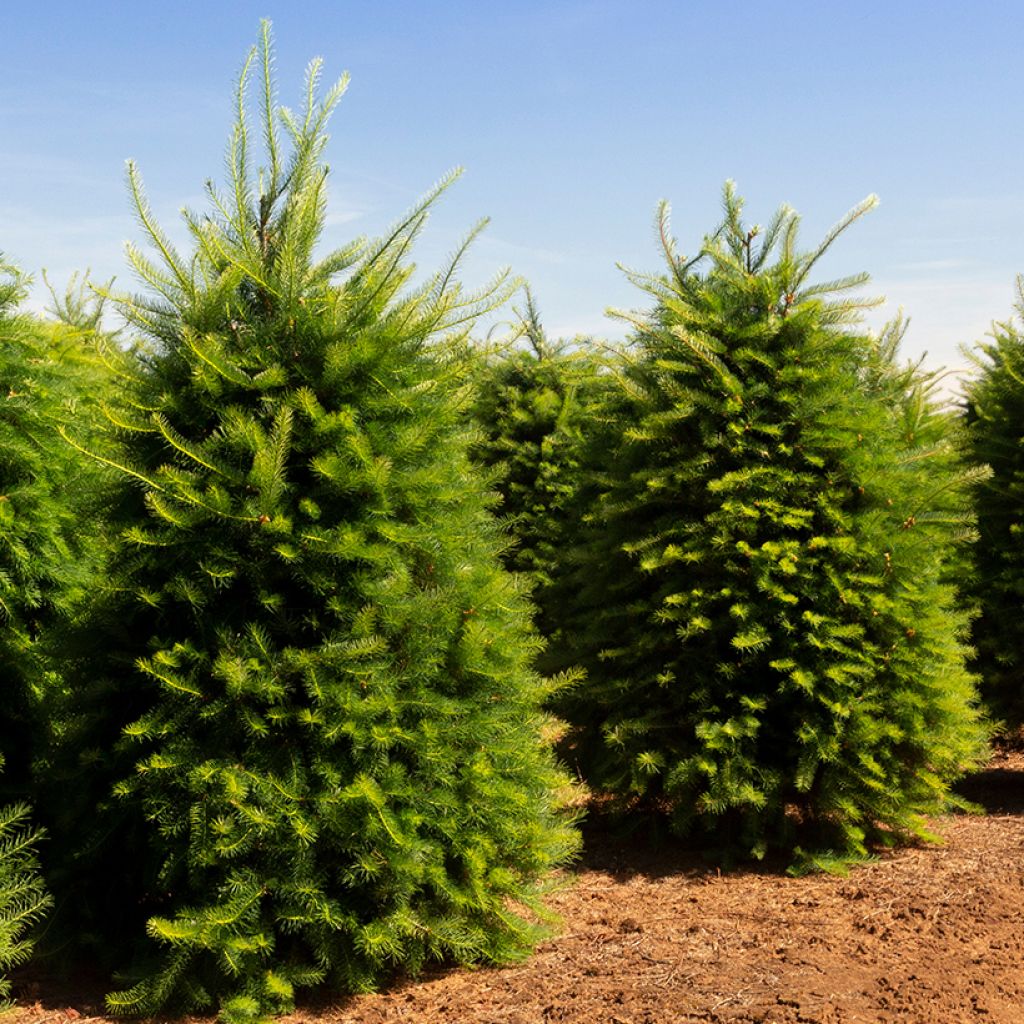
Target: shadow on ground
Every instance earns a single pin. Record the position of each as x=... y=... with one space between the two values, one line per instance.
x=998 y=789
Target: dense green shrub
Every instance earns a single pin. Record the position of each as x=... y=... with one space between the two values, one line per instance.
x=759 y=599
x=995 y=412
x=535 y=406
x=340 y=765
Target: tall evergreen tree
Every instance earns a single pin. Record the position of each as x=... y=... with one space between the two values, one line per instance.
x=341 y=766
x=74 y=493
x=45 y=563
x=994 y=413
x=535 y=404
x=48 y=375
x=760 y=599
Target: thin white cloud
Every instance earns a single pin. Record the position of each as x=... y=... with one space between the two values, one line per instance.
x=584 y=327
x=517 y=252
x=933 y=266
x=40 y=168
x=34 y=240
x=998 y=205
x=336 y=217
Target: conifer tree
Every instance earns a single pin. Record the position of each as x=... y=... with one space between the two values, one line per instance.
x=760 y=600
x=341 y=766
x=48 y=375
x=994 y=412
x=534 y=405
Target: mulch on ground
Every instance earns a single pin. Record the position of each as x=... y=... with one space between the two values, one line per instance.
x=931 y=935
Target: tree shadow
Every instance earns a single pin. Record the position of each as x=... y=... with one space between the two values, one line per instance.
x=59 y=995
x=999 y=787
x=634 y=844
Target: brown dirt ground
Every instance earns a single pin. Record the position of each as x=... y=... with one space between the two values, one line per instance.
x=931 y=936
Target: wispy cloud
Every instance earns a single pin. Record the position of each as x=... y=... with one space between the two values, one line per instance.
x=516 y=251
x=45 y=169
x=999 y=204
x=933 y=266
x=63 y=245
x=337 y=217
x=586 y=327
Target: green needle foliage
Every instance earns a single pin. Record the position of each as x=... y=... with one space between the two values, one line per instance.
x=340 y=763
x=534 y=406
x=995 y=411
x=49 y=374
x=772 y=651
x=49 y=556
x=23 y=898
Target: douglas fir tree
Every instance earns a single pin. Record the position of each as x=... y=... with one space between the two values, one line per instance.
x=48 y=375
x=45 y=562
x=772 y=651
x=341 y=765
x=995 y=412
x=534 y=406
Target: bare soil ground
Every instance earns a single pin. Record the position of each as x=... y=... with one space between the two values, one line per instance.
x=922 y=936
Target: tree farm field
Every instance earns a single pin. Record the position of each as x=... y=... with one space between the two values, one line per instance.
x=650 y=935
x=385 y=617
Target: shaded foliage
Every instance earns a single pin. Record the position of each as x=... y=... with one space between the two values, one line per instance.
x=536 y=406
x=49 y=552
x=994 y=414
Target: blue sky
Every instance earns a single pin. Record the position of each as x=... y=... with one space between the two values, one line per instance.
x=572 y=119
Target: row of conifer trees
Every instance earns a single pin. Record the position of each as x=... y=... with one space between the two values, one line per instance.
x=316 y=611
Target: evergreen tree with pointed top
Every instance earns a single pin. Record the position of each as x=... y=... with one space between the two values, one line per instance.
x=340 y=762
x=773 y=652
x=50 y=557
x=994 y=408
x=49 y=374
x=535 y=405
x=33 y=540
